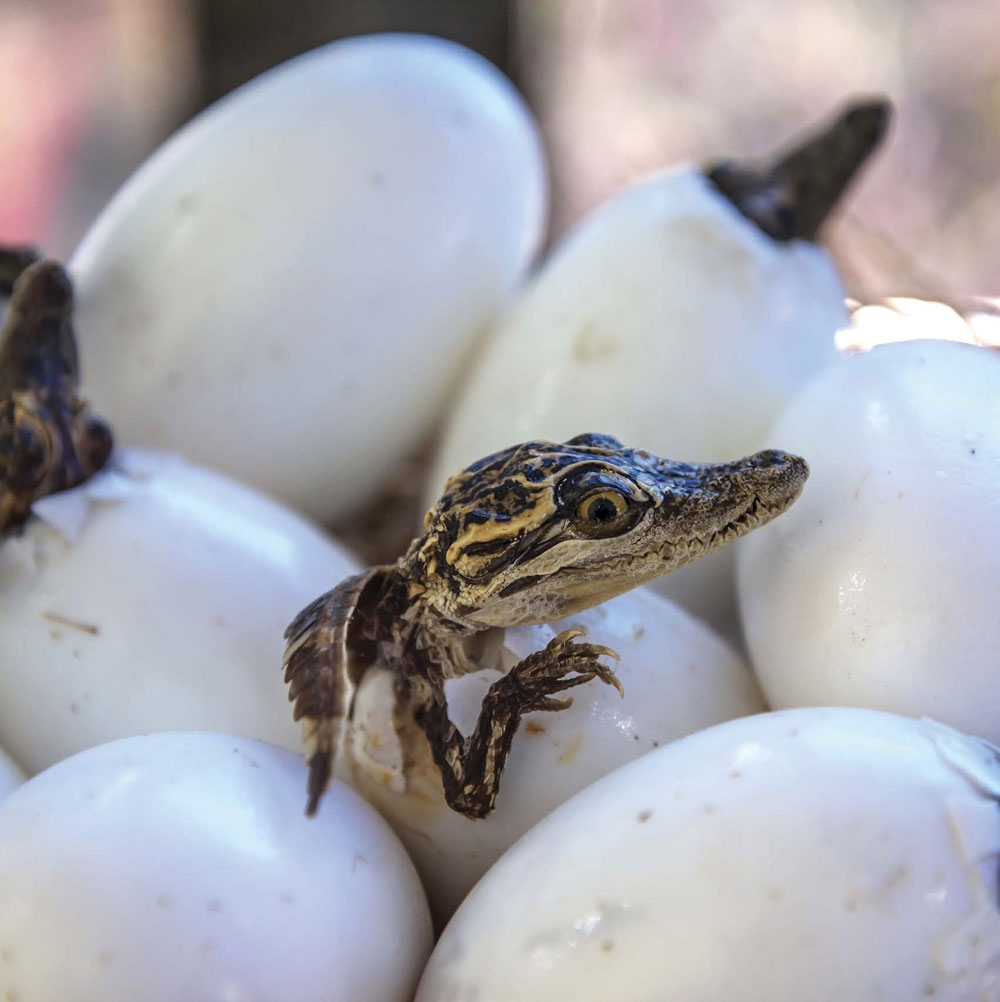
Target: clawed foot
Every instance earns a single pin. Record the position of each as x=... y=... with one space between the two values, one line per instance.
x=471 y=767
x=560 y=665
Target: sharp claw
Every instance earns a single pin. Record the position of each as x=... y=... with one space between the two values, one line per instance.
x=566 y=636
x=601 y=651
x=551 y=704
x=612 y=679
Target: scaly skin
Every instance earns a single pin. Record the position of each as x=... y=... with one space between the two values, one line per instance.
x=48 y=439
x=527 y=535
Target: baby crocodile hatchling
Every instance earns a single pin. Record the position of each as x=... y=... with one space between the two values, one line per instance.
x=527 y=535
x=49 y=441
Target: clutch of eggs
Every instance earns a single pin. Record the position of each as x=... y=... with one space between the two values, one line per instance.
x=286 y=291
x=152 y=597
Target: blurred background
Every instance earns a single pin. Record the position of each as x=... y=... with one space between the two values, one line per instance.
x=621 y=87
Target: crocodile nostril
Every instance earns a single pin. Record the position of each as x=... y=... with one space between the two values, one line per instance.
x=772 y=458
x=95 y=445
x=780 y=473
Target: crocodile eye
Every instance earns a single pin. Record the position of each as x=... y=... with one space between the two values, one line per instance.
x=599 y=509
x=606 y=513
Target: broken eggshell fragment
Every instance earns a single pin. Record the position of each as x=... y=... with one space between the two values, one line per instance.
x=808 y=854
x=152 y=597
x=673 y=319
x=678 y=677
x=180 y=866
x=286 y=290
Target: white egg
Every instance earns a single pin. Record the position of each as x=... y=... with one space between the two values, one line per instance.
x=287 y=289
x=668 y=320
x=181 y=866
x=806 y=856
x=880 y=586
x=154 y=597
x=678 y=677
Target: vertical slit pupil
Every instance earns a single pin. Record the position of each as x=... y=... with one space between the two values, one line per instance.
x=602 y=510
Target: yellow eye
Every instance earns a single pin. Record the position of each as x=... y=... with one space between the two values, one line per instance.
x=603 y=507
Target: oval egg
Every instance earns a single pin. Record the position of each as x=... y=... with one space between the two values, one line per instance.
x=153 y=597
x=810 y=854
x=287 y=289
x=678 y=677
x=879 y=586
x=180 y=866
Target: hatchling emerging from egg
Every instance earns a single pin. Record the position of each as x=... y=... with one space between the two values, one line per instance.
x=528 y=535
x=49 y=440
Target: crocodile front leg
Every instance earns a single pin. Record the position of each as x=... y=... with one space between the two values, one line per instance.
x=471 y=766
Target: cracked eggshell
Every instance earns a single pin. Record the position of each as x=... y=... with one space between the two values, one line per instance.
x=803 y=856
x=678 y=677
x=902 y=318
x=287 y=289
x=181 y=866
x=668 y=320
x=154 y=597
x=880 y=586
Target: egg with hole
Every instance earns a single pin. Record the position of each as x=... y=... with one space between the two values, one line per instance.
x=879 y=587
x=180 y=866
x=678 y=316
x=800 y=856
x=152 y=597
x=286 y=290
x=678 y=677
